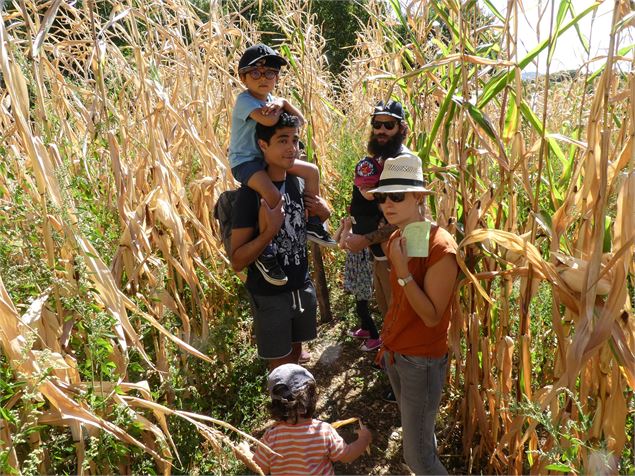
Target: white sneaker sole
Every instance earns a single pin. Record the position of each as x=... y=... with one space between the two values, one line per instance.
x=320 y=241
x=269 y=279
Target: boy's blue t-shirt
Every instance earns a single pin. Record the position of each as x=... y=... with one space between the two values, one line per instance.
x=242 y=143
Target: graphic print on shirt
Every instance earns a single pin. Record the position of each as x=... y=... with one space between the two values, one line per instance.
x=290 y=243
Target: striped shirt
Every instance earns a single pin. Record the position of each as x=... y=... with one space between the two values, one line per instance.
x=306 y=448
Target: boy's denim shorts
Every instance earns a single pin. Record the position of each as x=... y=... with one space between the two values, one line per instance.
x=243 y=172
x=284 y=319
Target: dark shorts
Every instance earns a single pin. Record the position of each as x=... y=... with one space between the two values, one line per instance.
x=243 y=172
x=283 y=319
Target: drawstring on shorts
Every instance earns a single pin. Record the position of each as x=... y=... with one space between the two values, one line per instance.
x=297 y=306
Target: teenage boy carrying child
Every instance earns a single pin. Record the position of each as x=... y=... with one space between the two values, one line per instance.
x=258 y=68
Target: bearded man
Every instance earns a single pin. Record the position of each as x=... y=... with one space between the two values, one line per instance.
x=388 y=133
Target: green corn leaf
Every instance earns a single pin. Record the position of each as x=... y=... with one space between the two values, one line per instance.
x=332 y=107
x=440 y=115
x=442 y=46
x=396 y=8
x=494 y=11
x=563 y=8
x=563 y=468
x=446 y=129
x=478 y=116
x=543 y=218
x=511 y=121
x=606 y=245
x=529 y=115
x=568 y=168
x=7 y=416
x=583 y=39
x=498 y=82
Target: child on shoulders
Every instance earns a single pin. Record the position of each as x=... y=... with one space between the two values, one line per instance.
x=258 y=68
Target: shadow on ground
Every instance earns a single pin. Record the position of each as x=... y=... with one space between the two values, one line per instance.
x=349 y=386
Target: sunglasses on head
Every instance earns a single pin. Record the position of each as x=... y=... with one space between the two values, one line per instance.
x=389 y=125
x=268 y=73
x=395 y=197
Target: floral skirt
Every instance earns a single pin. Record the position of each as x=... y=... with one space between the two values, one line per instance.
x=358 y=274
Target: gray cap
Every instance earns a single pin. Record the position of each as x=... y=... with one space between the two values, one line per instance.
x=293 y=376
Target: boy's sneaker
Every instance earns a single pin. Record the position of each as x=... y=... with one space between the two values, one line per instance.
x=359 y=334
x=370 y=344
x=271 y=270
x=315 y=232
x=389 y=396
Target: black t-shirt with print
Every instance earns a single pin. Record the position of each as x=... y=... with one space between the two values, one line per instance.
x=289 y=244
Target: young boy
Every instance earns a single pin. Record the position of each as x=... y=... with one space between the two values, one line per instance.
x=306 y=446
x=258 y=69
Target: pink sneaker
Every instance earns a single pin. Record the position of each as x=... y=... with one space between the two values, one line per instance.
x=304 y=357
x=359 y=334
x=370 y=344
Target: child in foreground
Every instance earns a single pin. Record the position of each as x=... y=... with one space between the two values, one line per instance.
x=258 y=69
x=306 y=446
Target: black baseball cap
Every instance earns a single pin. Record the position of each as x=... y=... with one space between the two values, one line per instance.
x=391 y=108
x=259 y=52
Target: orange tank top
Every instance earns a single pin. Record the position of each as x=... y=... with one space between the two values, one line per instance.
x=403 y=330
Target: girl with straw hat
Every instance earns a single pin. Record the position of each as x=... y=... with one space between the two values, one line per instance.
x=423 y=280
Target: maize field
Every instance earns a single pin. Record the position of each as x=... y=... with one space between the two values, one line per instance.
x=114 y=125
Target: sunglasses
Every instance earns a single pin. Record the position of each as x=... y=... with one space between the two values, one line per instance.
x=395 y=197
x=268 y=73
x=389 y=125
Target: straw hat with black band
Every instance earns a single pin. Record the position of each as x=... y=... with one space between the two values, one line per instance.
x=402 y=174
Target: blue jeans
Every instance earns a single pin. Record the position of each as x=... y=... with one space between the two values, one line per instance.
x=418 y=384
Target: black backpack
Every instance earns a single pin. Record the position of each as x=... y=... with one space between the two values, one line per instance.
x=223 y=213
x=224 y=206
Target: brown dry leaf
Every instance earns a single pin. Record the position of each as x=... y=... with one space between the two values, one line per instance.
x=572 y=271
x=25 y=360
x=47 y=21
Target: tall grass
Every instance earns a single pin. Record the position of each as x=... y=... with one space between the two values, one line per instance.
x=114 y=137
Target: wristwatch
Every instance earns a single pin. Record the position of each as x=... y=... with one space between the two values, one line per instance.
x=403 y=281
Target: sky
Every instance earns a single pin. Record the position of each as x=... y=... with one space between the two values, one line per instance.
x=569 y=52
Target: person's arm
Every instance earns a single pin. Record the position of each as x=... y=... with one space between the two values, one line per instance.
x=294 y=111
x=431 y=301
x=317 y=206
x=245 y=247
x=273 y=109
x=248 y=106
x=357 y=447
x=266 y=116
x=357 y=242
x=381 y=234
x=310 y=173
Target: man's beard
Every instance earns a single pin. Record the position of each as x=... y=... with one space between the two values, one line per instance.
x=388 y=149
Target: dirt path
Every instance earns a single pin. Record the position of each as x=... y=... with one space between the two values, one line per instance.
x=349 y=386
